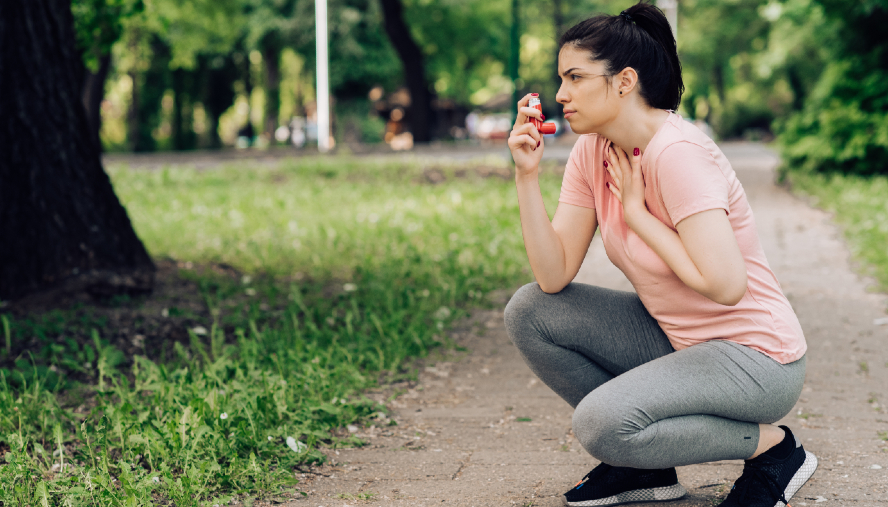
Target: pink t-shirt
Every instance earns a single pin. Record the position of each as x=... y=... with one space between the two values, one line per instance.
x=686 y=173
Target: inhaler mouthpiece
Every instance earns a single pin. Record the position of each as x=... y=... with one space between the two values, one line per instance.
x=543 y=128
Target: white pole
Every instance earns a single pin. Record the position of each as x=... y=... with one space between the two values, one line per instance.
x=323 y=94
x=670 y=9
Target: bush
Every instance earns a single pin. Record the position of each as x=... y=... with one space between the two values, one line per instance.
x=844 y=124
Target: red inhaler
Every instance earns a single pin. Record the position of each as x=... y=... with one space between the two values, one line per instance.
x=543 y=128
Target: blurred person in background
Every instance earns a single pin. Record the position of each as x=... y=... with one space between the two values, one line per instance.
x=707 y=354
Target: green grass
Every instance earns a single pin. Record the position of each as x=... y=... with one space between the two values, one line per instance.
x=351 y=268
x=860 y=207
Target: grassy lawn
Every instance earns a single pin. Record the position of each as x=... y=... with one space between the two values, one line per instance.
x=286 y=292
x=860 y=206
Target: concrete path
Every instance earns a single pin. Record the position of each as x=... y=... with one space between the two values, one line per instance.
x=479 y=429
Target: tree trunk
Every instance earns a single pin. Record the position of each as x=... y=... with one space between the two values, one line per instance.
x=93 y=94
x=62 y=229
x=420 y=114
x=558 y=21
x=271 y=57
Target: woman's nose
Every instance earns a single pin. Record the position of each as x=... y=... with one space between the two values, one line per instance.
x=561 y=97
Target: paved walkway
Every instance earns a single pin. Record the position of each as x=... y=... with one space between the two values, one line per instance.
x=480 y=430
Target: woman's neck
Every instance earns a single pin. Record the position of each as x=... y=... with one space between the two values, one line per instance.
x=635 y=128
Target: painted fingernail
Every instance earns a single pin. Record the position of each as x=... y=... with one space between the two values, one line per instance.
x=535 y=94
x=605 y=163
x=607 y=184
x=636 y=152
x=538 y=144
x=543 y=117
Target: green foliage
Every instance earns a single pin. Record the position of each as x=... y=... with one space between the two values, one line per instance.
x=98 y=24
x=358 y=122
x=844 y=124
x=356 y=267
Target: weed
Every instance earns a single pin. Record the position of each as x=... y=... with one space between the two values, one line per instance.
x=523 y=419
x=883 y=436
x=864 y=367
x=368 y=495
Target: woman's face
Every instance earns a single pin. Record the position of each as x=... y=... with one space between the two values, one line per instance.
x=586 y=94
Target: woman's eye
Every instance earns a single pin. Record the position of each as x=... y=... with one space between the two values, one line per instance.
x=574 y=77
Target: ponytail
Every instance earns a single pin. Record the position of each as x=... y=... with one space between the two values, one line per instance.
x=639 y=37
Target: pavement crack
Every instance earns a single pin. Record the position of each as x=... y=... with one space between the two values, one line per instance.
x=461 y=467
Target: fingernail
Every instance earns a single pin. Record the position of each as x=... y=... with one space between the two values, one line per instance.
x=636 y=152
x=535 y=94
x=605 y=163
x=538 y=144
x=543 y=117
x=607 y=184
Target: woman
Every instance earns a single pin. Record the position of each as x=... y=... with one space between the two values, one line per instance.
x=697 y=365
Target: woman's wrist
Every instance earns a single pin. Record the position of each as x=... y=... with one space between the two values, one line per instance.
x=634 y=215
x=527 y=176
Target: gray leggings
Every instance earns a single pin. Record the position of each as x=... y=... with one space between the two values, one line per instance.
x=638 y=402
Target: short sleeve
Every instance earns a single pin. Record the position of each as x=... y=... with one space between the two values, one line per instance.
x=575 y=187
x=690 y=181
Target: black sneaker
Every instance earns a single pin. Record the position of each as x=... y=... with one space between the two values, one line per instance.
x=610 y=485
x=770 y=482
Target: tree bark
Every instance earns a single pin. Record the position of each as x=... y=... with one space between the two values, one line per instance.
x=61 y=226
x=420 y=114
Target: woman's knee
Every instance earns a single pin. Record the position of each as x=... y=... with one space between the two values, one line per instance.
x=610 y=429
x=521 y=313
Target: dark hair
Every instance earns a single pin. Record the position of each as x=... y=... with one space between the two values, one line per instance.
x=639 y=37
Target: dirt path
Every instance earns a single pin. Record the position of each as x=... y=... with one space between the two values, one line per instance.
x=479 y=429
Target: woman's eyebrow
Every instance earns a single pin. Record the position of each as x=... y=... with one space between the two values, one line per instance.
x=568 y=71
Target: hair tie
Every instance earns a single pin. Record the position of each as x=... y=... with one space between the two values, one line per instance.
x=626 y=16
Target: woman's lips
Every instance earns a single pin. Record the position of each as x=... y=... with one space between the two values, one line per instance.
x=568 y=114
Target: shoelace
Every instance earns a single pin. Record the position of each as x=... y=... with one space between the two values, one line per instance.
x=745 y=484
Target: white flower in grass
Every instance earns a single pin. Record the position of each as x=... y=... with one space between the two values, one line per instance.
x=223 y=415
x=349 y=287
x=199 y=330
x=269 y=438
x=442 y=313
x=296 y=445
x=155 y=479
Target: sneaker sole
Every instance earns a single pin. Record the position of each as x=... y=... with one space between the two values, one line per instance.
x=801 y=477
x=638 y=495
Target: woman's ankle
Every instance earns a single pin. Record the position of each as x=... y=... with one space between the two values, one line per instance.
x=769 y=437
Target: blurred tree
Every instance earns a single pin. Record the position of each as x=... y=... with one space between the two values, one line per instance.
x=271 y=26
x=61 y=225
x=413 y=62
x=717 y=39
x=843 y=123
x=98 y=25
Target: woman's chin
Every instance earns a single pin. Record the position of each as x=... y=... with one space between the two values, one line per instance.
x=581 y=129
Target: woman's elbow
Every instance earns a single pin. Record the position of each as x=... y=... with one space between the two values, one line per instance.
x=551 y=288
x=733 y=292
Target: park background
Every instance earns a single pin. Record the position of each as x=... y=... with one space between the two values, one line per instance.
x=286 y=289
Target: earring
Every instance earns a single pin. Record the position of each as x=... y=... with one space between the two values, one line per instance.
x=621 y=92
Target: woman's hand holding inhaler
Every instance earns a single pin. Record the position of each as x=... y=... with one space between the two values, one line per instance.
x=526 y=138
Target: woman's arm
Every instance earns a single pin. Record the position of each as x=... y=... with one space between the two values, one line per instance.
x=704 y=253
x=555 y=249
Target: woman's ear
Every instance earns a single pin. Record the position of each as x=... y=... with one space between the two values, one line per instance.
x=625 y=81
